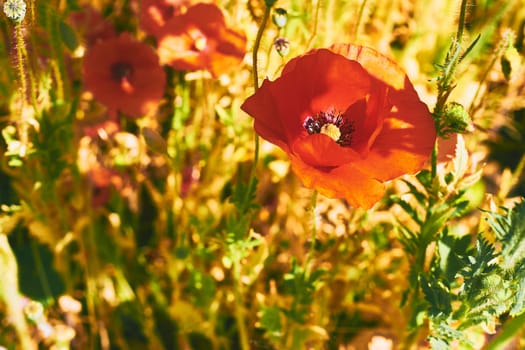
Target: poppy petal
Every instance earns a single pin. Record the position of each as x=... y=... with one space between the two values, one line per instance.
x=319 y=150
x=406 y=140
x=378 y=65
x=346 y=182
x=143 y=89
x=199 y=39
x=348 y=118
x=267 y=124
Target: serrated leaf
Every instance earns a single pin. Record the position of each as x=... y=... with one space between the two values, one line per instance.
x=518 y=306
x=510 y=229
x=438 y=343
x=407 y=207
x=425 y=178
x=421 y=197
x=437 y=295
x=471 y=179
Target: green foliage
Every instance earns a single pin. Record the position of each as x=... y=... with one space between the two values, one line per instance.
x=182 y=238
x=302 y=286
x=476 y=280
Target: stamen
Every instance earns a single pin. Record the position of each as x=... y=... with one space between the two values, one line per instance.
x=332 y=131
x=200 y=44
x=331 y=124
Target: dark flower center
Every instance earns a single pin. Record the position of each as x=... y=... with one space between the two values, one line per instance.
x=331 y=124
x=121 y=71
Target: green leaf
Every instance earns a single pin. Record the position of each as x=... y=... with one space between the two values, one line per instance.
x=437 y=295
x=270 y=320
x=518 y=306
x=510 y=229
x=438 y=343
x=68 y=36
x=407 y=207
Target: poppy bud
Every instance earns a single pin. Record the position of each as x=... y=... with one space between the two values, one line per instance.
x=455 y=120
x=15 y=10
x=280 y=17
x=282 y=45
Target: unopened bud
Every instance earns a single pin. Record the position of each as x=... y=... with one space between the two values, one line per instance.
x=455 y=119
x=282 y=45
x=280 y=17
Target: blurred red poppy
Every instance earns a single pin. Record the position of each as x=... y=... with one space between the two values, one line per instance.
x=199 y=39
x=155 y=13
x=348 y=118
x=92 y=25
x=125 y=75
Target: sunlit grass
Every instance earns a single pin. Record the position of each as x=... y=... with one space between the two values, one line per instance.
x=166 y=231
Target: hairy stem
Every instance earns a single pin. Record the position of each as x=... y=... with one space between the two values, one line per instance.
x=311 y=252
x=20 y=45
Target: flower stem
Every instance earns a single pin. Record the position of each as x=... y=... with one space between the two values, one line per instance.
x=237 y=289
x=239 y=306
x=20 y=44
x=257 y=45
x=359 y=19
x=311 y=252
x=434 y=160
x=316 y=24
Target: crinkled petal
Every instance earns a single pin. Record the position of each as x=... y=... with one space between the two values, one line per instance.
x=319 y=150
x=378 y=65
x=406 y=139
x=345 y=181
x=267 y=122
x=314 y=84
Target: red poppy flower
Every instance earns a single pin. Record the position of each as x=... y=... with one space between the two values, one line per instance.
x=125 y=75
x=348 y=118
x=92 y=25
x=199 y=39
x=155 y=13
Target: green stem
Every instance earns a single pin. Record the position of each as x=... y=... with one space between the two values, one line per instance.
x=311 y=252
x=255 y=53
x=257 y=45
x=20 y=44
x=316 y=24
x=359 y=19
x=434 y=160
x=239 y=306
x=239 y=299
x=88 y=247
x=56 y=64
x=461 y=24
x=42 y=276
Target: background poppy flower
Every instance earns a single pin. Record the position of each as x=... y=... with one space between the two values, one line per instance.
x=124 y=75
x=199 y=39
x=155 y=13
x=90 y=22
x=348 y=118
